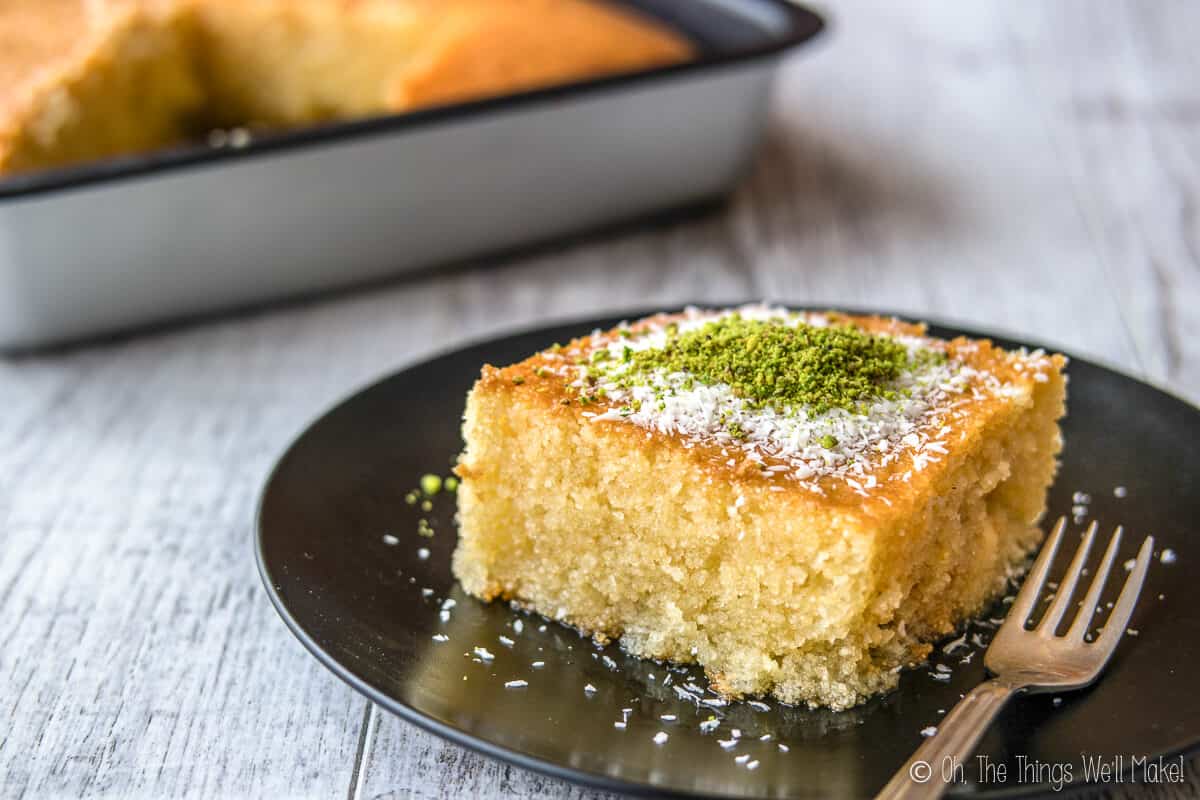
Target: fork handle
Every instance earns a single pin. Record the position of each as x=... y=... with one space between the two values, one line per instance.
x=932 y=768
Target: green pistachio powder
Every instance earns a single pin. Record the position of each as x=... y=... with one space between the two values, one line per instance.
x=429 y=487
x=771 y=363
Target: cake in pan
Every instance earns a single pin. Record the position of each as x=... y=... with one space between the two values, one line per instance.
x=799 y=502
x=84 y=79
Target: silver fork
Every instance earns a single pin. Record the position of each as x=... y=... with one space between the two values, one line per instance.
x=1031 y=661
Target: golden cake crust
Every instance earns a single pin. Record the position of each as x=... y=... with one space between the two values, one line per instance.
x=483 y=48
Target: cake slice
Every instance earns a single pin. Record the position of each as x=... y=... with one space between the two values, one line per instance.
x=799 y=502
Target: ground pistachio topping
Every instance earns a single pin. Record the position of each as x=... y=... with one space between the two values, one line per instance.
x=772 y=363
x=431 y=484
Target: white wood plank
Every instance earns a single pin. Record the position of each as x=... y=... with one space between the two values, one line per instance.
x=1123 y=108
x=138 y=654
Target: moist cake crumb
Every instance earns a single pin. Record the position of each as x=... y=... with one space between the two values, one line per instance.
x=799 y=502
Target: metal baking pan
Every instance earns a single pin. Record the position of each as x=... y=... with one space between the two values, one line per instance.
x=128 y=241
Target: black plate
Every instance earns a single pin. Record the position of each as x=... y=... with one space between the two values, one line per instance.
x=356 y=602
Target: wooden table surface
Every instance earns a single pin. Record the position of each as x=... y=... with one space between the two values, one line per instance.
x=1028 y=167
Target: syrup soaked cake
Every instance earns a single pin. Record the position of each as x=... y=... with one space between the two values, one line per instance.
x=799 y=502
x=85 y=79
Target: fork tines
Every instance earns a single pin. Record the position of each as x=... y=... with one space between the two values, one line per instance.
x=1122 y=610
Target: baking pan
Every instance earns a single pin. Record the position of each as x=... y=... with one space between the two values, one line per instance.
x=127 y=241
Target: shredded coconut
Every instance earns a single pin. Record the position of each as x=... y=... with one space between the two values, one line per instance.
x=805 y=447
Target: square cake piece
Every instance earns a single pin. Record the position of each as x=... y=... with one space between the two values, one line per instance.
x=799 y=502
